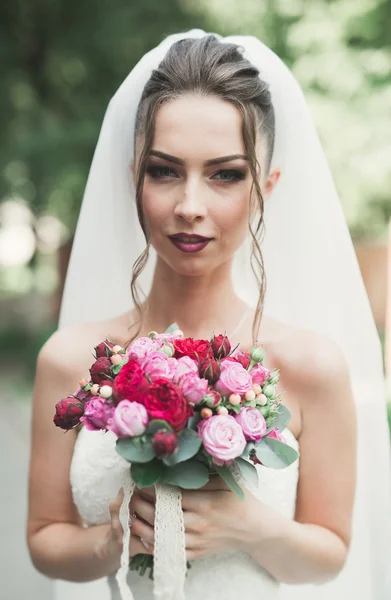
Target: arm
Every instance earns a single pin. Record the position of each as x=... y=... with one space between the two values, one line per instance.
x=60 y=547
x=313 y=547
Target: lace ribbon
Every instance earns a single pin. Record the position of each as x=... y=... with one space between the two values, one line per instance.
x=170 y=553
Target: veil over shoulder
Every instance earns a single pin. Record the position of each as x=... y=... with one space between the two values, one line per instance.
x=313 y=282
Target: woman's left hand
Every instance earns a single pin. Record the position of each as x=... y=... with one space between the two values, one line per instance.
x=214 y=517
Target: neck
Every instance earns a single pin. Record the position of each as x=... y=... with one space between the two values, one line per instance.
x=200 y=305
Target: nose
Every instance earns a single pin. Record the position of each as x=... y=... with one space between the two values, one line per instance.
x=190 y=207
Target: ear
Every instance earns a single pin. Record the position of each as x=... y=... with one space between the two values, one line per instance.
x=271 y=182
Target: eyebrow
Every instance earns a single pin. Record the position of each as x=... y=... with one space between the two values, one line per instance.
x=207 y=163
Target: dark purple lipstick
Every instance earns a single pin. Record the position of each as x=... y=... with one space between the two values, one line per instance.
x=189 y=242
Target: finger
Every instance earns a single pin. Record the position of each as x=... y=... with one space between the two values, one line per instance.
x=201 y=501
x=137 y=547
x=114 y=508
x=143 y=530
x=215 y=483
x=149 y=493
x=143 y=509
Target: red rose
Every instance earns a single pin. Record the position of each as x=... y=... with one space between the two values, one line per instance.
x=209 y=369
x=164 y=443
x=130 y=382
x=164 y=400
x=243 y=359
x=221 y=346
x=196 y=349
x=100 y=369
x=102 y=349
x=68 y=413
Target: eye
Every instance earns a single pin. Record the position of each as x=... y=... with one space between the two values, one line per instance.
x=160 y=172
x=229 y=175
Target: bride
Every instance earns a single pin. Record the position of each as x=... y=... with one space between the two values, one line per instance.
x=208 y=164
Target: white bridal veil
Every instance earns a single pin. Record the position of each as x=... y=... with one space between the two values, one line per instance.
x=313 y=282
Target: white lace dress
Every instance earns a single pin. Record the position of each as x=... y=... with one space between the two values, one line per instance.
x=96 y=474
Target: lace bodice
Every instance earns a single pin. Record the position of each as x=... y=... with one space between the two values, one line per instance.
x=96 y=474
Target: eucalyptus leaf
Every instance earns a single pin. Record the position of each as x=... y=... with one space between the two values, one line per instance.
x=116 y=368
x=146 y=474
x=282 y=419
x=275 y=454
x=172 y=328
x=157 y=425
x=139 y=451
x=249 y=447
x=229 y=479
x=189 y=475
x=248 y=471
x=189 y=443
x=193 y=421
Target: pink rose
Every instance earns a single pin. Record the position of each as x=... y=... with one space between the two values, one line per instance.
x=234 y=379
x=157 y=365
x=277 y=435
x=193 y=388
x=97 y=413
x=252 y=423
x=185 y=365
x=141 y=347
x=222 y=437
x=259 y=374
x=130 y=419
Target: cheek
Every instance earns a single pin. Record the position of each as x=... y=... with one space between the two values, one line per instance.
x=156 y=207
x=234 y=214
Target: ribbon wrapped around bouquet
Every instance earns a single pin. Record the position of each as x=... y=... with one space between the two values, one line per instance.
x=181 y=409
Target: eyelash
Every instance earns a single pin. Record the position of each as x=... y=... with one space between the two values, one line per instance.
x=153 y=171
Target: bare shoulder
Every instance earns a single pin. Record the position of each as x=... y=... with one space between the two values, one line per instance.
x=309 y=359
x=69 y=350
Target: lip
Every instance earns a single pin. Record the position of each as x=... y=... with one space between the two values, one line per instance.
x=186 y=242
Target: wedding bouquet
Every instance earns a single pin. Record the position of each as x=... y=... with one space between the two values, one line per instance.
x=183 y=408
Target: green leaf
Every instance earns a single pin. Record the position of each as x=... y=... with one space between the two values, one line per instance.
x=281 y=421
x=249 y=447
x=189 y=443
x=275 y=454
x=116 y=368
x=172 y=328
x=139 y=450
x=192 y=422
x=236 y=409
x=248 y=471
x=189 y=475
x=157 y=425
x=146 y=474
x=229 y=479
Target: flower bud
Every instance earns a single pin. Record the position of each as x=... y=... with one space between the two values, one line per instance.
x=152 y=334
x=257 y=354
x=221 y=346
x=206 y=413
x=235 y=399
x=261 y=399
x=168 y=349
x=116 y=348
x=164 y=443
x=104 y=349
x=209 y=369
x=212 y=398
x=68 y=413
x=100 y=369
x=257 y=389
x=106 y=391
x=116 y=359
x=83 y=382
x=94 y=389
x=250 y=395
x=269 y=390
x=222 y=411
x=274 y=377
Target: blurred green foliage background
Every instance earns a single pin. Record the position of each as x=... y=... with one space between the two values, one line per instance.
x=61 y=61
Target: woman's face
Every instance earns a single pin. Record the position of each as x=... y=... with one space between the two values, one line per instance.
x=198 y=183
